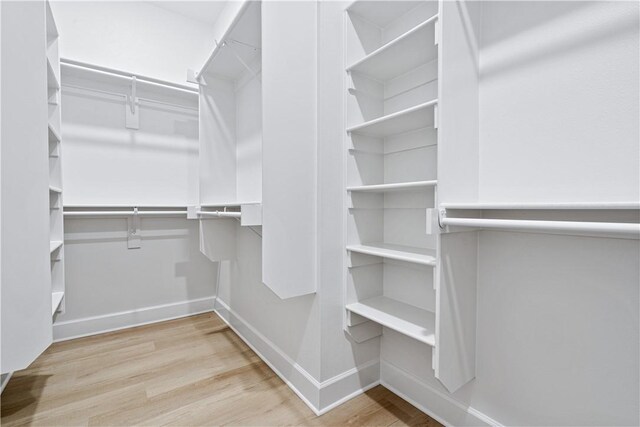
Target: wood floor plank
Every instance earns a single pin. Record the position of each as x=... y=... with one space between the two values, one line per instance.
x=190 y=371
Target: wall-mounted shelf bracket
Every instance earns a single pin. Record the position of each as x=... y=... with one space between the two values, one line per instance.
x=132 y=118
x=133 y=230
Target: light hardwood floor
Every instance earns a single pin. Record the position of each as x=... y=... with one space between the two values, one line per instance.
x=190 y=371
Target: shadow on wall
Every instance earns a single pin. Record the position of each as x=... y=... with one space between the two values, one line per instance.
x=104 y=277
x=288 y=325
x=522 y=23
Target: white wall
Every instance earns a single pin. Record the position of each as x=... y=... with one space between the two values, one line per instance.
x=134 y=36
x=559 y=88
x=109 y=286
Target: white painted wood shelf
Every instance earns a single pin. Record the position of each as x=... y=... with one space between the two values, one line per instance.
x=407 y=120
x=402 y=54
x=52 y=79
x=409 y=320
x=399 y=186
x=54 y=189
x=54 y=135
x=56 y=299
x=397 y=252
x=54 y=245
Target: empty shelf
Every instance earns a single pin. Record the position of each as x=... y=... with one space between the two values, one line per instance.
x=56 y=299
x=54 y=135
x=52 y=78
x=402 y=54
x=414 y=118
x=397 y=252
x=412 y=321
x=54 y=245
x=400 y=186
x=53 y=189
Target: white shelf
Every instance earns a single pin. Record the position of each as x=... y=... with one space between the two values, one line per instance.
x=402 y=54
x=400 y=186
x=52 y=29
x=52 y=78
x=53 y=189
x=397 y=252
x=56 y=299
x=234 y=204
x=54 y=245
x=411 y=321
x=239 y=47
x=410 y=119
x=544 y=206
x=54 y=134
x=381 y=13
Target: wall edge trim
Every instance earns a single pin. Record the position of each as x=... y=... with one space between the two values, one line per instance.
x=311 y=391
x=429 y=393
x=95 y=325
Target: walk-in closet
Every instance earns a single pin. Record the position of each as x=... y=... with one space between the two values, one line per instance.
x=320 y=212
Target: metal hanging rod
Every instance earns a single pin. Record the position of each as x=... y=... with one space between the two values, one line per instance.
x=122 y=213
x=139 y=213
x=124 y=96
x=609 y=228
x=127 y=75
x=220 y=214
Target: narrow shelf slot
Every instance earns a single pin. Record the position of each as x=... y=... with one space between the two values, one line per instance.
x=411 y=321
x=407 y=120
x=397 y=252
x=56 y=299
x=402 y=54
x=54 y=245
x=54 y=189
x=400 y=186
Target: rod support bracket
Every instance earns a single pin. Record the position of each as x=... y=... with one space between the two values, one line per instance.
x=134 y=239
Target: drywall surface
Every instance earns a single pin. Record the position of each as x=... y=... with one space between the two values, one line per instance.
x=135 y=36
x=105 y=163
x=110 y=286
x=559 y=102
x=291 y=325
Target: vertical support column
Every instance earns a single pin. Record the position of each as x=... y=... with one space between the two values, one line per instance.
x=289 y=77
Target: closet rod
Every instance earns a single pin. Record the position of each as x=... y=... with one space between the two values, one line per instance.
x=539 y=225
x=126 y=75
x=122 y=213
x=123 y=96
x=219 y=214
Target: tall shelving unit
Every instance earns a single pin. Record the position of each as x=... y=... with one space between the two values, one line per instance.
x=392 y=102
x=393 y=70
x=231 y=117
x=56 y=222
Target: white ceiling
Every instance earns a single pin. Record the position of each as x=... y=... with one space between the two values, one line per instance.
x=206 y=11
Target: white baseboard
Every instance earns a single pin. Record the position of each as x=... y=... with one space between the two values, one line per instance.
x=78 y=328
x=430 y=400
x=320 y=397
